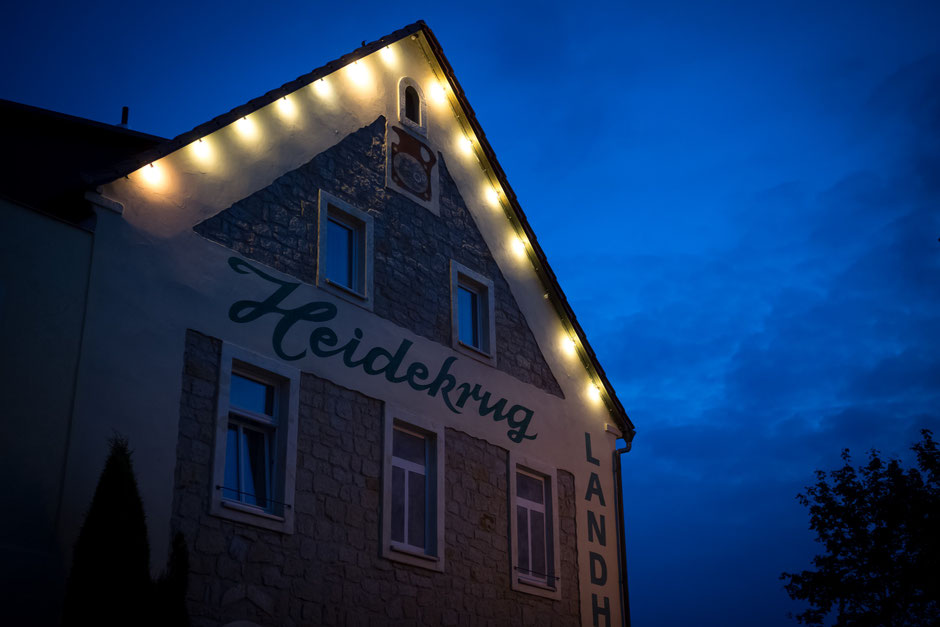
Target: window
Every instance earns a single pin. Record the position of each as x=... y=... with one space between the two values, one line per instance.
x=534 y=520
x=250 y=458
x=533 y=549
x=409 y=489
x=413 y=491
x=345 y=250
x=472 y=312
x=256 y=434
x=412 y=107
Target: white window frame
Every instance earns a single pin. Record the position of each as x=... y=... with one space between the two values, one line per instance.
x=421 y=126
x=282 y=429
x=332 y=208
x=432 y=557
x=462 y=276
x=549 y=474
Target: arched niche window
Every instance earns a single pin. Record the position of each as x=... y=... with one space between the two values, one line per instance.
x=412 y=104
x=412 y=107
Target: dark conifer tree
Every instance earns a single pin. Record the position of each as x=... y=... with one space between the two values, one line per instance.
x=110 y=579
x=170 y=592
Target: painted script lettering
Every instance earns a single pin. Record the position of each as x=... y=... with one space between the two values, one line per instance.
x=324 y=343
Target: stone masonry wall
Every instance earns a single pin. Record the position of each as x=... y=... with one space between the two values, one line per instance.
x=329 y=571
x=413 y=247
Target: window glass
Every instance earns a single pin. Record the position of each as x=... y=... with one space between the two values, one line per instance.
x=468 y=324
x=254 y=456
x=231 y=464
x=252 y=395
x=411 y=105
x=398 y=504
x=341 y=254
x=416 y=509
x=538 y=542
x=522 y=522
x=408 y=446
x=409 y=489
x=529 y=488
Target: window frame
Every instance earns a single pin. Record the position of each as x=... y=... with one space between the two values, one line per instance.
x=549 y=475
x=432 y=557
x=463 y=277
x=421 y=126
x=332 y=209
x=281 y=428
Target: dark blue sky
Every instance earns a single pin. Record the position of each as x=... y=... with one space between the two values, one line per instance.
x=741 y=200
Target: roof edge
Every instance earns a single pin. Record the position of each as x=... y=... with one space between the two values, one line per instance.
x=542 y=267
x=124 y=168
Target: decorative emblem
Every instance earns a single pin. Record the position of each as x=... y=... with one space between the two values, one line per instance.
x=412 y=164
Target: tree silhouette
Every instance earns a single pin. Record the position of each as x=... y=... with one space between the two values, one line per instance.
x=880 y=526
x=110 y=578
x=110 y=583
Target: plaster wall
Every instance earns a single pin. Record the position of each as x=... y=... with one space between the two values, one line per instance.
x=43 y=281
x=153 y=278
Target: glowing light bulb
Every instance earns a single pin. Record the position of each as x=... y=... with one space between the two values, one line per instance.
x=153 y=174
x=437 y=92
x=569 y=346
x=246 y=127
x=466 y=145
x=322 y=88
x=202 y=150
x=594 y=392
x=518 y=247
x=388 y=55
x=492 y=197
x=358 y=73
x=287 y=108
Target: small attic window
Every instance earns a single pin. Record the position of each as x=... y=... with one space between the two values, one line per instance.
x=412 y=102
x=412 y=107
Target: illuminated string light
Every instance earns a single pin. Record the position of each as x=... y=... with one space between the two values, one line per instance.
x=358 y=73
x=153 y=174
x=437 y=92
x=322 y=87
x=286 y=107
x=466 y=145
x=594 y=392
x=492 y=196
x=246 y=127
x=202 y=150
x=569 y=346
x=388 y=55
x=518 y=247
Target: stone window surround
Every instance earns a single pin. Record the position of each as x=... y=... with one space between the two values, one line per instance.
x=328 y=205
x=288 y=382
x=422 y=127
x=434 y=559
x=550 y=474
x=460 y=274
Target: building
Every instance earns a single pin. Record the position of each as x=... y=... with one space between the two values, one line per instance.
x=347 y=372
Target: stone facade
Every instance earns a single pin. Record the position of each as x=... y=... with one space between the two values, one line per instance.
x=329 y=571
x=413 y=247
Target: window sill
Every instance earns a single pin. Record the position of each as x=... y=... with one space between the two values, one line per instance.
x=538 y=587
x=251 y=509
x=360 y=299
x=347 y=290
x=407 y=550
x=413 y=557
x=535 y=583
x=472 y=351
